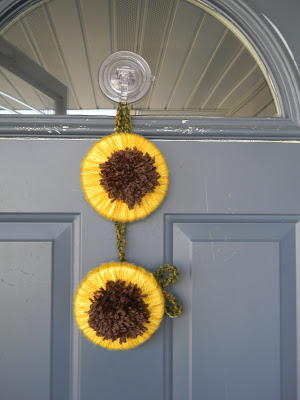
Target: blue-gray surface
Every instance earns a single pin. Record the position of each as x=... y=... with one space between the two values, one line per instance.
x=230 y=223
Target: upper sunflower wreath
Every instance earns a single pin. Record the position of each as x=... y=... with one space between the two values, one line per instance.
x=124 y=176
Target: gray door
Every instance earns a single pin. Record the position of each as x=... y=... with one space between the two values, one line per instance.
x=230 y=224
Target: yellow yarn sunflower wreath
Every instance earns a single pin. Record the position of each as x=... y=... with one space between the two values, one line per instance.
x=119 y=305
x=124 y=177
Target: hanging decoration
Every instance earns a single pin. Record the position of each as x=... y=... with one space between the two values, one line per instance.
x=133 y=173
x=124 y=177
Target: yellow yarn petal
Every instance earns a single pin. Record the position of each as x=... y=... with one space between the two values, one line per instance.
x=113 y=271
x=96 y=195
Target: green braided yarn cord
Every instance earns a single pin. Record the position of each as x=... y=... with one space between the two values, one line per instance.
x=123 y=124
x=166 y=275
x=123 y=118
x=120 y=228
x=172 y=306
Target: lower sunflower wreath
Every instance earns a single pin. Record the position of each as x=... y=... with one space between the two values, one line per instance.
x=120 y=305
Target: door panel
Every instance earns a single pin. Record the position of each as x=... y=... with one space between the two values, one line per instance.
x=229 y=223
x=38 y=274
x=238 y=335
x=25 y=298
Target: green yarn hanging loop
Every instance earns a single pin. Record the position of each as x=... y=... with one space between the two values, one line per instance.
x=123 y=118
x=166 y=275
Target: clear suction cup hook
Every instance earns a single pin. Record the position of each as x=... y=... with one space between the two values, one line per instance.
x=125 y=76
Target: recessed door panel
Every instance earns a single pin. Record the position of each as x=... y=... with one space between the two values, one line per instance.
x=238 y=335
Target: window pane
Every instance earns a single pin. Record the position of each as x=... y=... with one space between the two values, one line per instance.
x=201 y=68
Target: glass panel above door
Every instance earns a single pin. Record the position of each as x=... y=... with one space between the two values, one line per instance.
x=51 y=55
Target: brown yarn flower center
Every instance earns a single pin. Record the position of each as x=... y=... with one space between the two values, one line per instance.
x=128 y=175
x=118 y=311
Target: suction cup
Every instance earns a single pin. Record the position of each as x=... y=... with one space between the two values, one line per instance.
x=125 y=76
